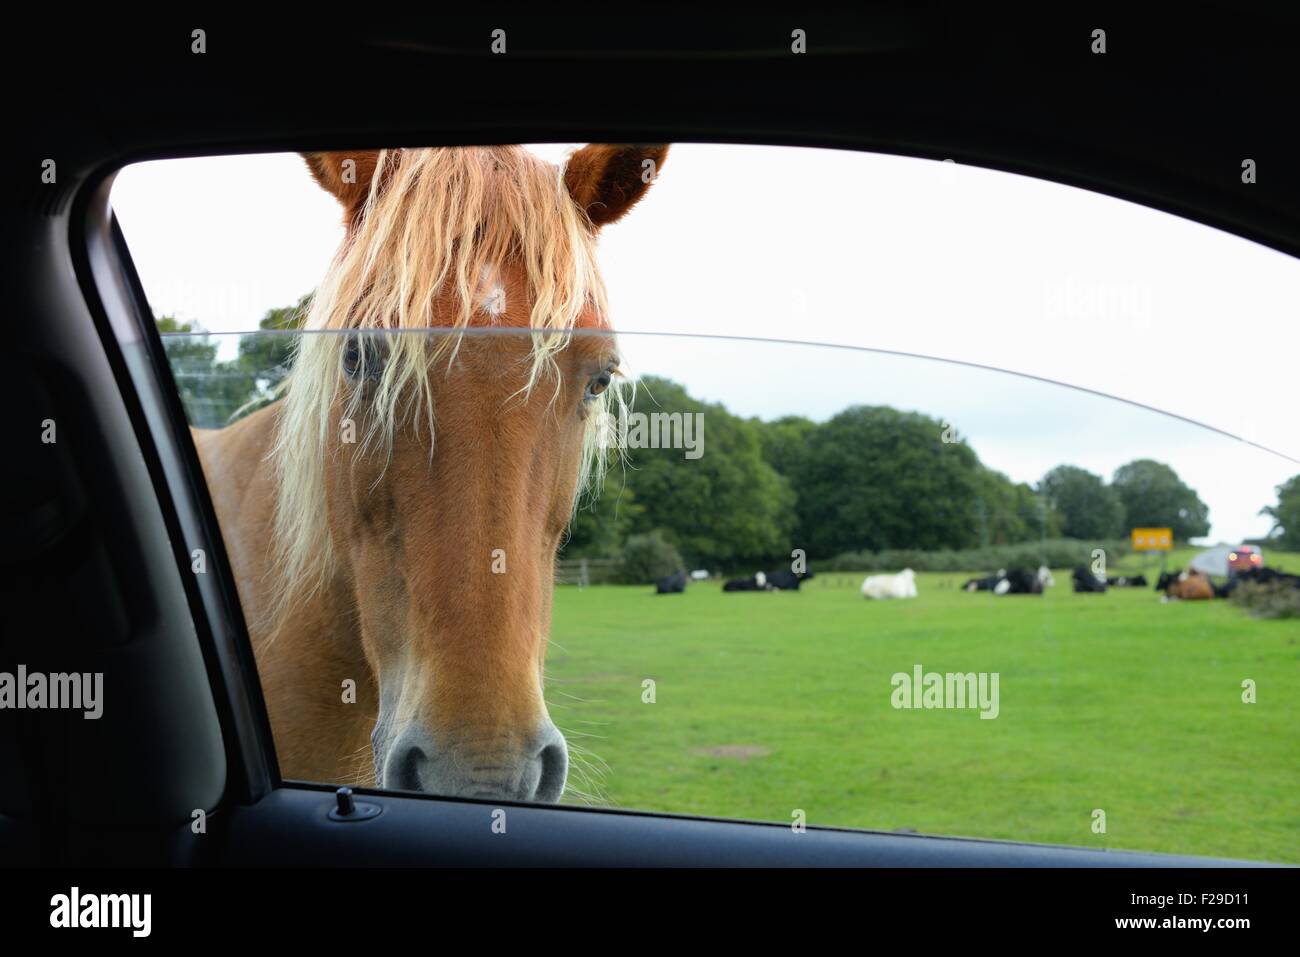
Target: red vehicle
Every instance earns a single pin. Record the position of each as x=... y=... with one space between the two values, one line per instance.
x=1245 y=558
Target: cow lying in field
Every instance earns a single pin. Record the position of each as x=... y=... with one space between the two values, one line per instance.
x=987 y=583
x=1261 y=575
x=1186 y=586
x=780 y=580
x=1020 y=581
x=755 y=582
x=1128 y=581
x=1014 y=581
x=1085 y=581
x=673 y=584
x=902 y=585
x=785 y=580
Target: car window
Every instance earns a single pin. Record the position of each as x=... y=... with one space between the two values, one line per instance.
x=494 y=542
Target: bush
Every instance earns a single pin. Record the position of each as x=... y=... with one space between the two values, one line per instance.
x=647 y=557
x=1268 y=599
x=1054 y=552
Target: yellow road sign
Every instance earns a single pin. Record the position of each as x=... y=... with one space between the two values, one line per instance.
x=1153 y=539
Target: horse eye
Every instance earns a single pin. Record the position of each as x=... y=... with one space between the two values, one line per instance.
x=363 y=358
x=351 y=359
x=599 y=383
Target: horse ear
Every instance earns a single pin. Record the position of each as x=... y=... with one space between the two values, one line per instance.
x=608 y=180
x=345 y=175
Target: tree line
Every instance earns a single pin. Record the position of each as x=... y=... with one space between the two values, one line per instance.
x=869 y=479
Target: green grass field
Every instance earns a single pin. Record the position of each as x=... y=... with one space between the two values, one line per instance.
x=770 y=702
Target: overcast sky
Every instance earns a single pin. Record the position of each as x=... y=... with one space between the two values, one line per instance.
x=860 y=250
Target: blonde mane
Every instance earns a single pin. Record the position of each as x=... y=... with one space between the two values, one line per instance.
x=435 y=223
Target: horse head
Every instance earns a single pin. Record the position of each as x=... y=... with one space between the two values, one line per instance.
x=426 y=479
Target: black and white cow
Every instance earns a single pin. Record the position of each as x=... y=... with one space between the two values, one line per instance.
x=1085 y=581
x=987 y=583
x=1127 y=581
x=1019 y=581
x=755 y=582
x=785 y=580
x=1011 y=581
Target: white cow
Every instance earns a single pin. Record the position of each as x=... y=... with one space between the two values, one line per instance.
x=902 y=585
x=1045 y=576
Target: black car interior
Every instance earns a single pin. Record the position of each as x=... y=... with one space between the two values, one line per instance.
x=97 y=528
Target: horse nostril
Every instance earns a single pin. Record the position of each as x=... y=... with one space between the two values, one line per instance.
x=415 y=763
x=407 y=765
x=554 y=759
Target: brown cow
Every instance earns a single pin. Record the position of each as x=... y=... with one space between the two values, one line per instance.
x=1190 y=586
